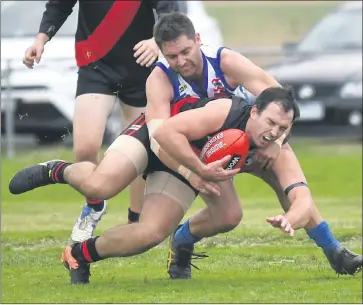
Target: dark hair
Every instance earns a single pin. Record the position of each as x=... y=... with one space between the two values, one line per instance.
x=170 y=26
x=282 y=96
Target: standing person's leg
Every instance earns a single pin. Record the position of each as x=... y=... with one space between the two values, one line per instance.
x=95 y=99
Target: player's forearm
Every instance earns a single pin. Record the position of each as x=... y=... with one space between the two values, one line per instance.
x=55 y=14
x=173 y=164
x=300 y=209
x=177 y=147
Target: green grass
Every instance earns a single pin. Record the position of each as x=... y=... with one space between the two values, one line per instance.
x=266 y=22
x=252 y=264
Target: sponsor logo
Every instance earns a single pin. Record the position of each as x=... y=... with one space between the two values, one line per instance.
x=235 y=159
x=182 y=88
x=135 y=127
x=211 y=140
x=214 y=149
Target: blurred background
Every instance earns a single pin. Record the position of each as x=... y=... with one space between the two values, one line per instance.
x=315 y=46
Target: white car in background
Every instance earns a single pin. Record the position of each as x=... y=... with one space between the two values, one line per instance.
x=43 y=98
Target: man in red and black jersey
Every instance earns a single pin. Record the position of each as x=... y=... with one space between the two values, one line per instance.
x=114 y=50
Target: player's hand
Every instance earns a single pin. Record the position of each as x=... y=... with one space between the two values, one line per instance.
x=215 y=171
x=266 y=157
x=281 y=222
x=35 y=51
x=146 y=52
x=205 y=187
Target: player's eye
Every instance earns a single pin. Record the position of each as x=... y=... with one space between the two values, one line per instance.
x=185 y=52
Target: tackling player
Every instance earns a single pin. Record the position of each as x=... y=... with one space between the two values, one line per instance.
x=162 y=212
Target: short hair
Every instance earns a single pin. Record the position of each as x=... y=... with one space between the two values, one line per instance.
x=171 y=26
x=283 y=96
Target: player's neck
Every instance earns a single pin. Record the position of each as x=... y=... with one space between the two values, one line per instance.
x=198 y=77
x=248 y=130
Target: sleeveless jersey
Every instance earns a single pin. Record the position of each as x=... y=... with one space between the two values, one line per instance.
x=237 y=116
x=215 y=84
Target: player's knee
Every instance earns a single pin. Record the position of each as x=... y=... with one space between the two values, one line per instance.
x=86 y=152
x=92 y=188
x=153 y=236
x=231 y=219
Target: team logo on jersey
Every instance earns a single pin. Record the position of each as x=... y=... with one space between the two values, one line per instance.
x=218 y=86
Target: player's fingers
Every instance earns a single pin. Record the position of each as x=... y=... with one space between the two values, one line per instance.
x=142 y=57
x=292 y=232
x=38 y=54
x=146 y=59
x=287 y=227
x=151 y=61
x=140 y=51
x=283 y=223
x=28 y=63
x=211 y=189
x=138 y=45
x=232 y=172
x=224 y=160
x=270 y=219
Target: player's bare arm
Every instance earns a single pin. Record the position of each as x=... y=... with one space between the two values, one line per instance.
x=289 y=173
x=239 y=70
x=175 y=134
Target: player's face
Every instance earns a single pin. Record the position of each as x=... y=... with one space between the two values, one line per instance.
x=184 y=56
x=270 y=124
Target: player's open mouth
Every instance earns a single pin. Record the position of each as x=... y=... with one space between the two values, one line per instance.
x=267 y=138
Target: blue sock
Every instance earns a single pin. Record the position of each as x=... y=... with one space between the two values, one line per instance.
x=323 y=237
x=183 y=235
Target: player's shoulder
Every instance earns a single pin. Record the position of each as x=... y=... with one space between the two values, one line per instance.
x=210 y=51
x=158 y=80
x=162 y=61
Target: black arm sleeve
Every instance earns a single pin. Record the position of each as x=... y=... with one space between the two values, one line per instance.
x=162 y=7
x=55 y=14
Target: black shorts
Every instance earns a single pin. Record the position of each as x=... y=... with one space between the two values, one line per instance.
x=138 y=129
x=99 y=80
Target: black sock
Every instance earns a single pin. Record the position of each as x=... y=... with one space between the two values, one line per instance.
x=133 y=216
x=58 y=171
x=97 y=205
x=86 y=251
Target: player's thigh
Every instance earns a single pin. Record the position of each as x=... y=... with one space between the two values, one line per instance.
x=130 y=113
x=125 y=159
x=167 y=199
x=269 y=177
x=133 y=99
x=227 y=206
x=94 y=103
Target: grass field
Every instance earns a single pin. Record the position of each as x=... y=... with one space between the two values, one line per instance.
x=266 y=22
x=253 y=264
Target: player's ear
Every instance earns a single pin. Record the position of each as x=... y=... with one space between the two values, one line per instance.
x=197 y=39
x=254 y=112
